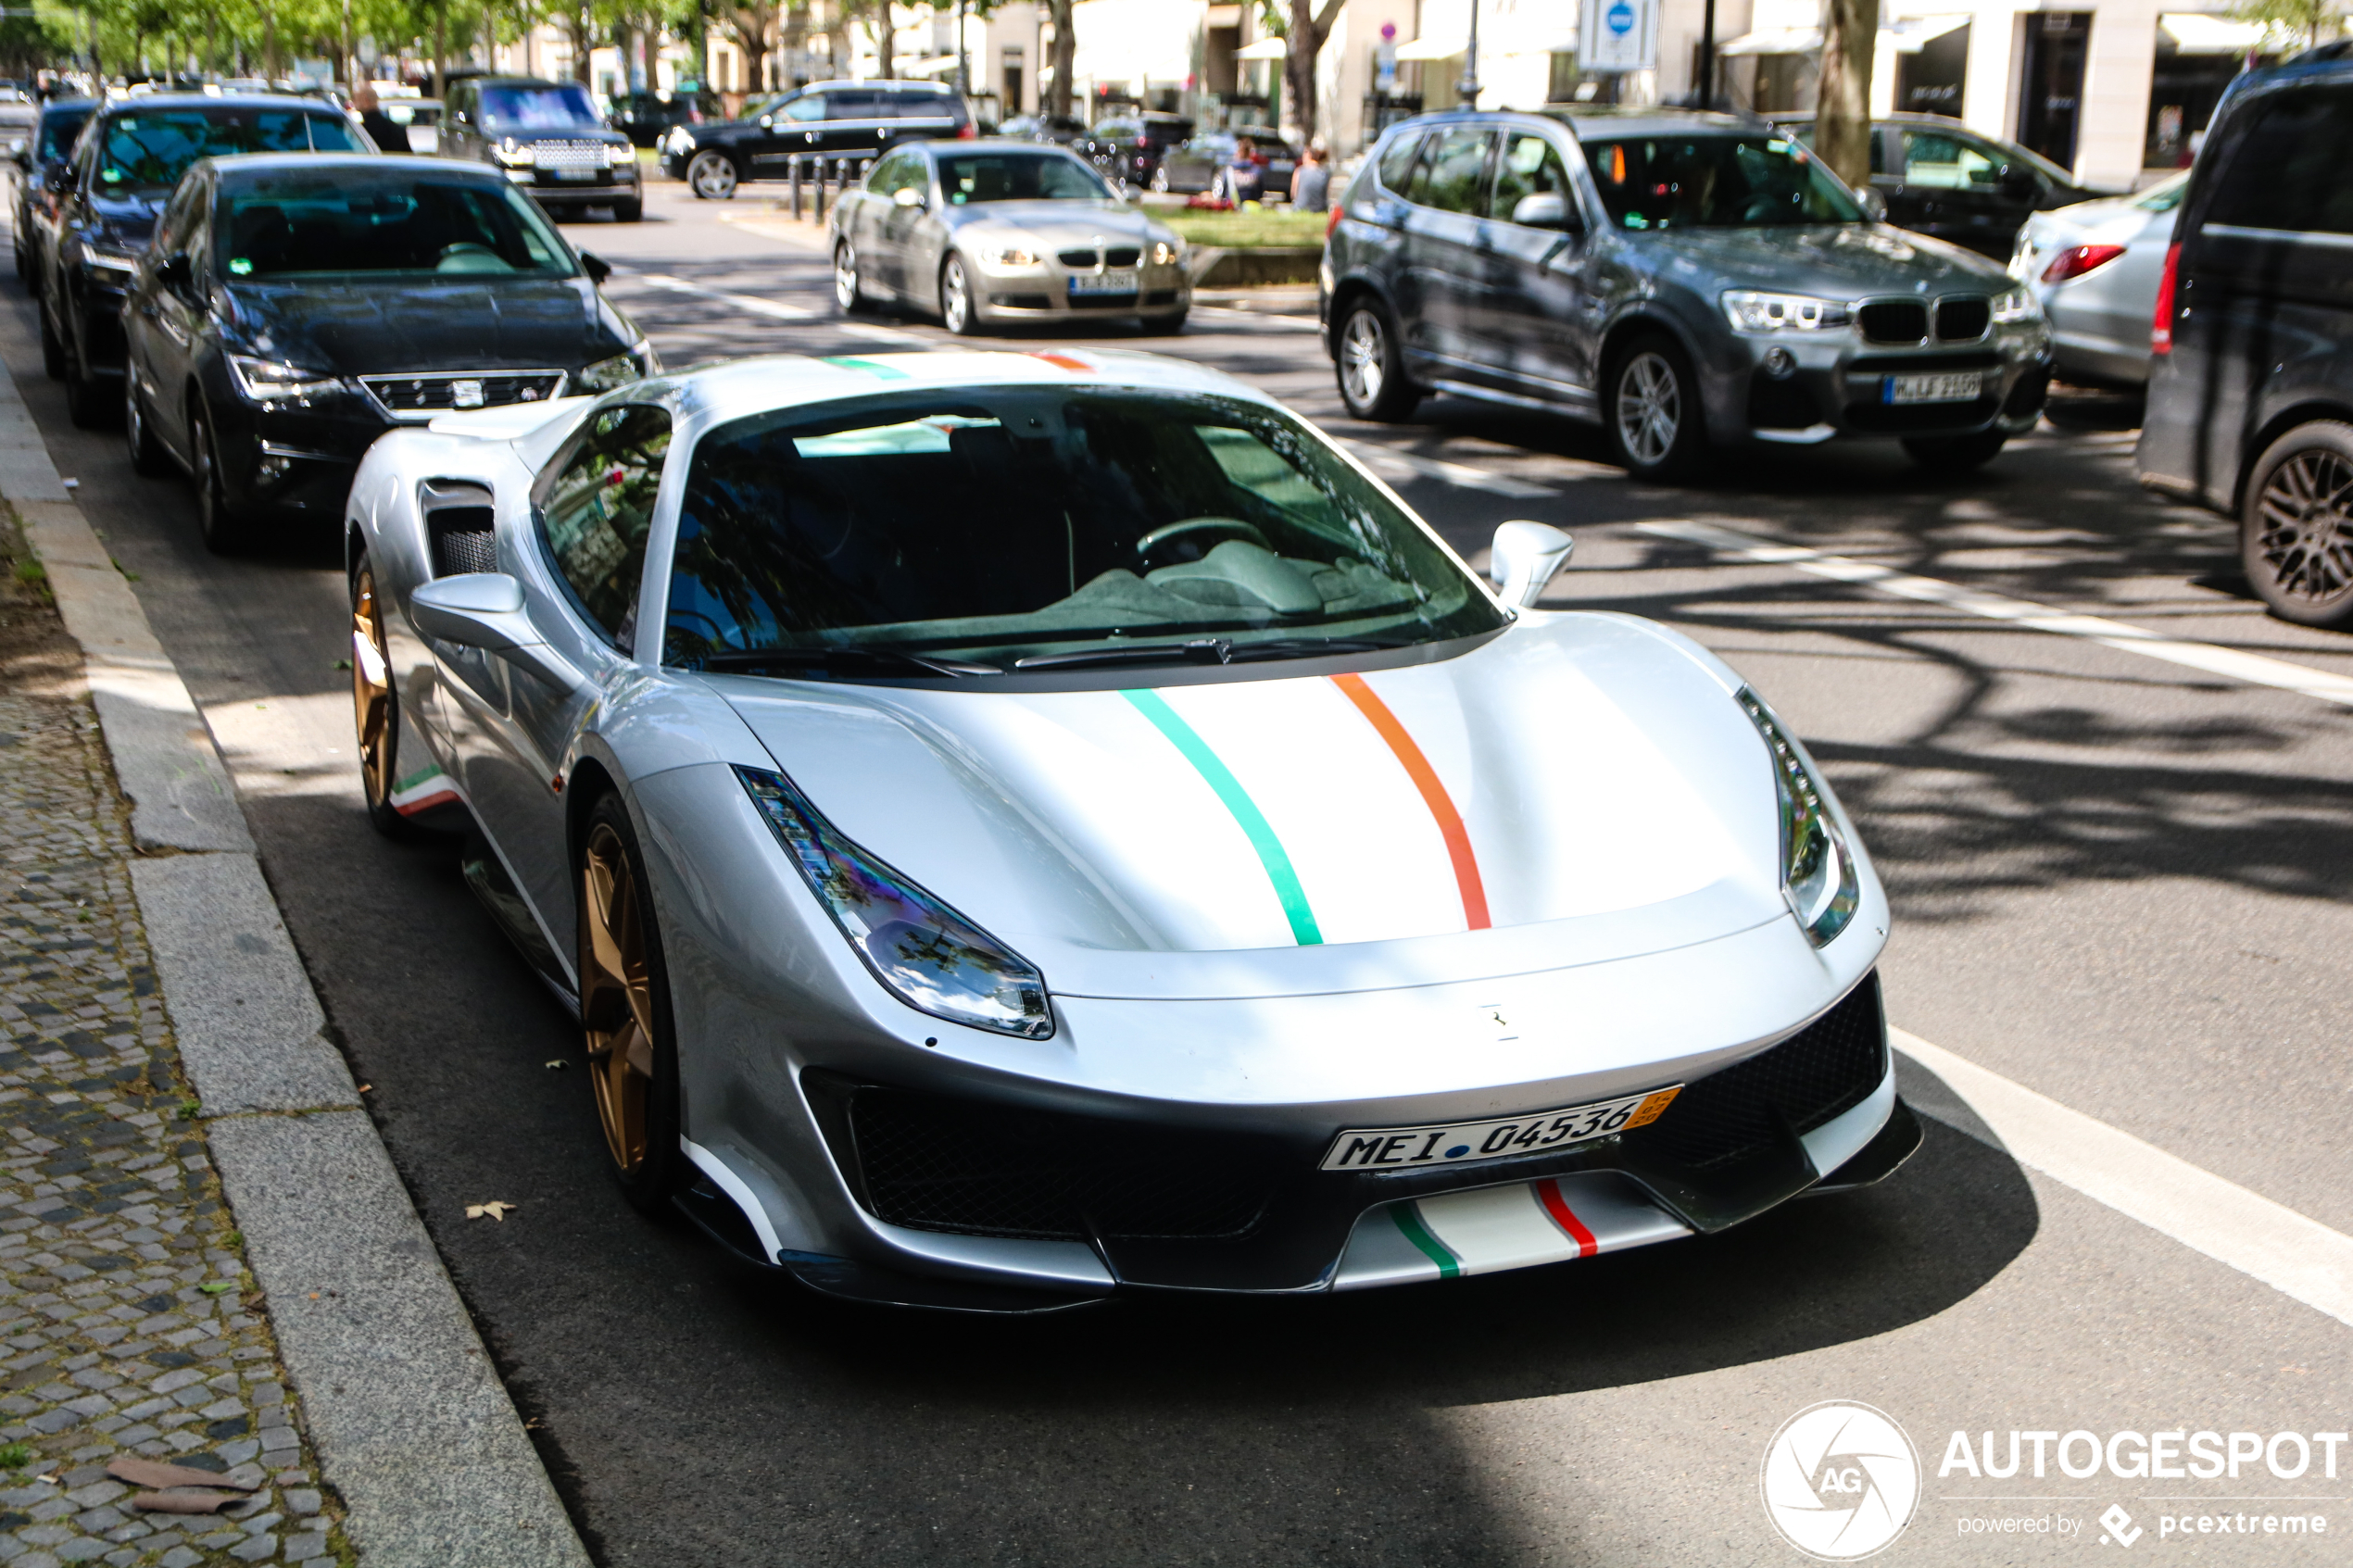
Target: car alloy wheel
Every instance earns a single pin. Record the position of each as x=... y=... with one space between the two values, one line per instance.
x=955 y=298
x=712 y=177
x=2297 y=538
x=624 y=1011
x=846 y=293
x=147 y=457
x=217 y=521
x=1650 y=408
x=375 y=707
x=53 y=346
x=1372 y=376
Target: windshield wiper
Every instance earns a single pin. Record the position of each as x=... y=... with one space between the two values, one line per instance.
x=1201 y=650
x=842 y=661
x=1294 y=648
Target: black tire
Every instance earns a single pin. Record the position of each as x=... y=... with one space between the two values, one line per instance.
x=652 y=1171
x=375 y=711
x=1370 y=364
x=88 y=401
x=1165 y=326
x=24 y=268
x=958 y=312
x=712 y=176
x=220 y=522
x=629 y=211
x=1955 y=454
x=148 y=458
x=53 y=348
x=1651 y=409
x=2295 y=526
x=850 y=292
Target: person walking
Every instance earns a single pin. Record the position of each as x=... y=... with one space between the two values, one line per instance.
x=388 y=137
x=1311 y=182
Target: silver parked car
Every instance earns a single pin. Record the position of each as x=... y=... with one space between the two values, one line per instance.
x=2095 y=266
x=986 y=232
x=1020 y=826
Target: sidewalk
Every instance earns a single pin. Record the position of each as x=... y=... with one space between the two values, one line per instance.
x=210 y=1271
x=129 y=1317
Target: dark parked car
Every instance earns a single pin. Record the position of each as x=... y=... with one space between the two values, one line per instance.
x=40 y=170
x=2250 y=402
x=128 y=157
x=645 y=118
x=291 y=310
x=1682 y=278
x=1128 y=147
x=1940 y=178
x=1194 y=165
x=548 y=138
x=1060 y=129
x=830 y=117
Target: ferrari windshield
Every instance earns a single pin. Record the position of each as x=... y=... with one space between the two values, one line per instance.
x=1018 y=177
x=1049 y=526
x=1715 y=182
x=345 y=219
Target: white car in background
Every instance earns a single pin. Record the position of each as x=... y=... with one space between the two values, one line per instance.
x=2095 y=267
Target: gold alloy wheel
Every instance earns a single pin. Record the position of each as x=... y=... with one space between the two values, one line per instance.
x=371 y=699
x=616 y=996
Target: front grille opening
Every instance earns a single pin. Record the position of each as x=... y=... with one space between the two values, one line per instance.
x=1025 y=301
x=1963 y=320
x=1102 y=302
x=936 y=1163
x=440 y=392
x=1122 y=255
x=1781 y=404
x=1893 y=321
x=1824 y=1070
x=1078 y=258
x=461 y=540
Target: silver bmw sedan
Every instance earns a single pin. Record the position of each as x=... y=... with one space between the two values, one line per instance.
x=988 y=233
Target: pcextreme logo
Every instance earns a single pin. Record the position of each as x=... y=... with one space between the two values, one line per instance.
x=1841 y=1481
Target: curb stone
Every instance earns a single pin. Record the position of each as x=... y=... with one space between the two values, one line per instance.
x=410 y=1424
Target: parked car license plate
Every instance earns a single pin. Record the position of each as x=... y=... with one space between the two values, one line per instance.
x=1962 y=387
x=1103 y=282
x=1467 y=1143
x=572 y=171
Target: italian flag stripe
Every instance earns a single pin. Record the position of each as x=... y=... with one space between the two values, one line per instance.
x=1433 y=791
x=1547 y=1196
x=1409 y=1222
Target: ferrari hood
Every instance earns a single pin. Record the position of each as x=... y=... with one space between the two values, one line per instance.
x=1579 y=789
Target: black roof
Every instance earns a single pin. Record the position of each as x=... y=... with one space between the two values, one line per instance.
x=239 y=166
x=148 y=101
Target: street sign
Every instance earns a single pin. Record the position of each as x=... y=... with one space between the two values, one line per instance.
x=1617 y=35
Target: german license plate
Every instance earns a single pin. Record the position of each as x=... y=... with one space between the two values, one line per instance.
x=1963 y=387
x=1467 y=1143
x=1122 y=282
x=572 y=172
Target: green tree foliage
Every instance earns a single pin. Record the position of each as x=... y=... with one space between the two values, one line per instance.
x=2311 y=22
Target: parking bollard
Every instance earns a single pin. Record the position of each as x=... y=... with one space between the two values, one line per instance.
x=795 y=167
x=818 y=215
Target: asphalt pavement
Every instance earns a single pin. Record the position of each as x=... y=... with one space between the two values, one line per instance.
x=2119 y=880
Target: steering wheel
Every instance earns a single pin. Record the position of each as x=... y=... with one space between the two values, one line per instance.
x=466 y=256
x=1231 y=527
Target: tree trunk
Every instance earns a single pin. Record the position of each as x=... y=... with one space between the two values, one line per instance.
x=1311 y=26
x=584 y=36
x=441 y=48
x=1843 y=117
x=1066 y=56
x=270 y=65
x=883 y=39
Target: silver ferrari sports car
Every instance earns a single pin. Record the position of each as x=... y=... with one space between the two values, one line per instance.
x=1018 y=827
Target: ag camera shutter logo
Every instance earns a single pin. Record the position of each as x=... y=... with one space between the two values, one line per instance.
x=1841 y=1481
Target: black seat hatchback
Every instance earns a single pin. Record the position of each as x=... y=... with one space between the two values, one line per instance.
x=2251 y=403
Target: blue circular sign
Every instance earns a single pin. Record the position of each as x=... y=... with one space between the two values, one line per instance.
x=1620 y=18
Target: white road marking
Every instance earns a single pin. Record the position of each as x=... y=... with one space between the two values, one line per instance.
x=1386 y=458
x=2253 y=667
x=1266 y=321
x=2264 y=1240
x=779 y=311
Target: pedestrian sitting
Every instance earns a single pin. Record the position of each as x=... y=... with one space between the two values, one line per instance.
x=1311 y=182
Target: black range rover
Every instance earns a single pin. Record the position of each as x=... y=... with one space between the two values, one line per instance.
x=826 y=118
x=548 y=138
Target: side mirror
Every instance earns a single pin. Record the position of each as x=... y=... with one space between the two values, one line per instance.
x=596 y=266
x=484 y=610
x=1545 y=209
x=907 y=195
x=1874 y=204
x=2023 y=184
x=1525 y=557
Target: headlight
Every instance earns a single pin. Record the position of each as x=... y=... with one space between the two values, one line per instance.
x=1818 y=869
x=267 y=380
x=617 y=372
x=679 y=141
x=2013 y=305
x=624 y=154
x=1011 y=258
x=514 y=155
x=1753 y=312
x=925 y=953
x=107 y=258
x=1166 y=252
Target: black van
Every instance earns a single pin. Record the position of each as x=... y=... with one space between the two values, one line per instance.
x=827 y=118
x=2250 y=404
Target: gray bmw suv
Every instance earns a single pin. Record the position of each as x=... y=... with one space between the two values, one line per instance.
x=1682 y=278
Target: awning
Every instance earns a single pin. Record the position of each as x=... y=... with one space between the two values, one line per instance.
x=1433 y=48
x=2195 y=34
x=1264 y=49
x=1906 y=35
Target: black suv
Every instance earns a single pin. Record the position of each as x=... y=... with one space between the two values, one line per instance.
x=2250 y=401
x=131 y=155
x=1940 y=178
x=828 y=117
x=549 y=139
x=41 y=171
